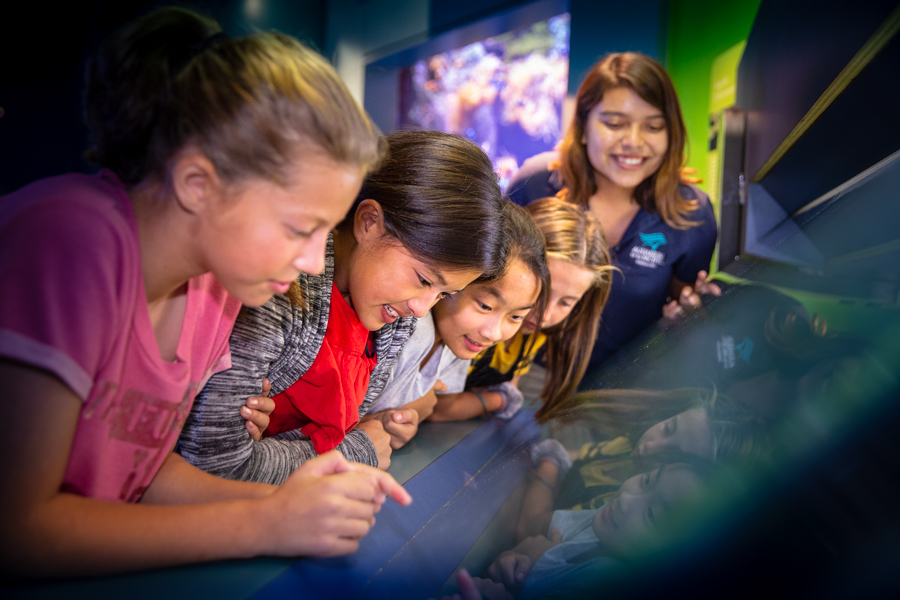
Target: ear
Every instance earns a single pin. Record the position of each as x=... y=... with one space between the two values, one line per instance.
x=368 y=220
x=195 y=182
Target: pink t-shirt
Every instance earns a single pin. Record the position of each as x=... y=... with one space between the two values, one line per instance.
x=72 y=302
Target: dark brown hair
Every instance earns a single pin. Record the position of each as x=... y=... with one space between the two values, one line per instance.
x=441 y=201
x=168 y=80
x=649 y=80
x=573 y=235
x=737 y=432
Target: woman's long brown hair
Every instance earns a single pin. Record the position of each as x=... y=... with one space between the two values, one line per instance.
x=649 y=80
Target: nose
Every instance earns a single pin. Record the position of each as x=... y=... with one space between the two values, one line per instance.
x=310 y=257
x=551 y=316
x=311 y=260
x=420 y=305
x=653 y=446
x=633 y=137
x=630 y=501
x=491 y=330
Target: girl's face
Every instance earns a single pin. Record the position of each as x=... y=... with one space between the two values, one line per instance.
x=385 y=282
x=686 y=432
x=626 y=139
x=486 y=314
x=568 y=283
x=642 y=502
x=258 y=236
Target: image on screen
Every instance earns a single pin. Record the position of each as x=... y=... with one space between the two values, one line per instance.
x=505 y=93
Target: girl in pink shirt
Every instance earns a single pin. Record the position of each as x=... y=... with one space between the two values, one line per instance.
x=226 y=164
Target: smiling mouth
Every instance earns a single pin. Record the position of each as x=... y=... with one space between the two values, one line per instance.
x=474 y=344
x=629 y=162
x=607 y=514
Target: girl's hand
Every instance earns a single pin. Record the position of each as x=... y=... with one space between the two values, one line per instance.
x=535 y=546
x=257 y=410
x=380 y=438
x=401 y=424
x=512 y=567
x=325 y=507
x=688 y=299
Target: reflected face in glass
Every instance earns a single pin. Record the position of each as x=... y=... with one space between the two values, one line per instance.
x=643 y=501
x=568 y=283
x=626 y=139
x=686 y=432
x=486 y=314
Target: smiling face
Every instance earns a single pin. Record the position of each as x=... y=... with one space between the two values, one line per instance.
x=486 y=314
x=686 y=432
x=261 y=235
x=568 y=283
x=626 y=139
x=640 y=505
x=381 y=279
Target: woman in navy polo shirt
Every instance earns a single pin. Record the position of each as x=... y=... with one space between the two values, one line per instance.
x=621 y=160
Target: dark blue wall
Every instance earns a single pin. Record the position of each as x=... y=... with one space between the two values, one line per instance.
x=41 y=130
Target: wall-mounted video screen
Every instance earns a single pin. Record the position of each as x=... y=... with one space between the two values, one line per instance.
x=505 y=92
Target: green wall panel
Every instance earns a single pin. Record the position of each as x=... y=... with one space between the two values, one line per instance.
x=699 y=31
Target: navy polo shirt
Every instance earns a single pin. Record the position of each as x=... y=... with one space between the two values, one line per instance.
x=648 y=255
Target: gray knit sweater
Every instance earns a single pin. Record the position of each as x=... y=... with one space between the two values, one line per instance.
x=279 y=341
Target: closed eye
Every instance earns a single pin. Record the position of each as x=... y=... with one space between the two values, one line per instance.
x=300 y=234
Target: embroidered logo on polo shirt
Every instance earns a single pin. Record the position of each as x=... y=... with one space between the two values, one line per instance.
x=653 y=240
x=745 y=348
x=647 y=255
x=727 y=351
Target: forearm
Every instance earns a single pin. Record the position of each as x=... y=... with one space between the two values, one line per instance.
x=464 y=405
x=537 y=508
x=356 y=447
x=72 y=535
x=424 y=406
x=178 y=482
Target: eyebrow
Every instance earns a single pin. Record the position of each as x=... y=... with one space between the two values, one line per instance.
x=437 y=277
x=612 y=113
x=494 y=292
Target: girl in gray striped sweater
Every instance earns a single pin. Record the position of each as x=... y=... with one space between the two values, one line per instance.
x=424 y=226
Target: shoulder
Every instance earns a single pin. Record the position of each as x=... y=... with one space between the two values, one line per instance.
x=80 y=213
x=535 y=179
x=391 y=338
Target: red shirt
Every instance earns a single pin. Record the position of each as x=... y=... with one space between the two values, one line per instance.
x=324 y=403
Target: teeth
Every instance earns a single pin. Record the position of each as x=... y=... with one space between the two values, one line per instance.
x=391 y=311
x=631 y=162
